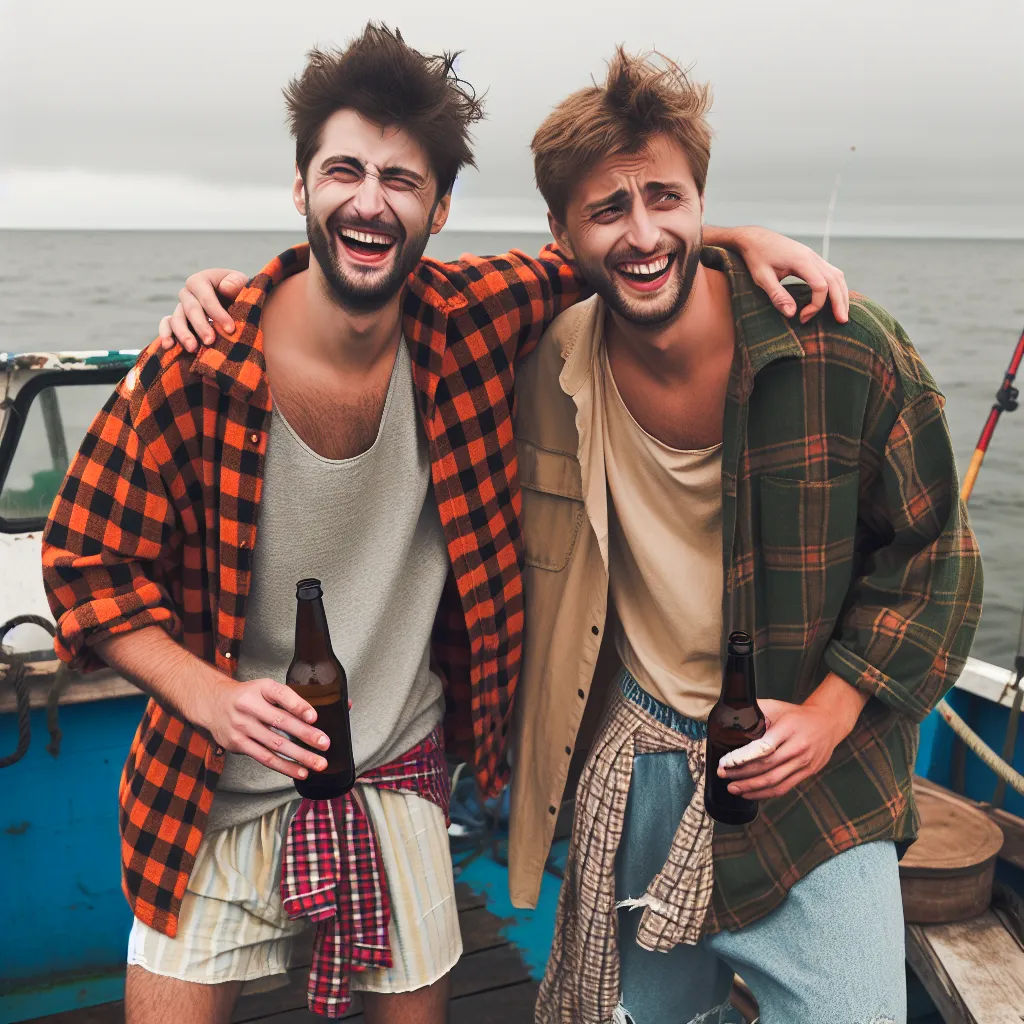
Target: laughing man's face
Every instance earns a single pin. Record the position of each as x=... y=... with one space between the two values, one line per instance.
x=370 y=201
x=633 y=224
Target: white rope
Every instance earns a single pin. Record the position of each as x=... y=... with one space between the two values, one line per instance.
x=978 y=746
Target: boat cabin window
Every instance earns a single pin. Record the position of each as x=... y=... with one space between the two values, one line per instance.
x=54 y=424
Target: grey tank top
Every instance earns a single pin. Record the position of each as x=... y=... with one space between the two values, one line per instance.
x=369 y=529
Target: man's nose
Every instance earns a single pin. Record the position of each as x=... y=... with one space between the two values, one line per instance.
x=643 y=233
x=368 y=202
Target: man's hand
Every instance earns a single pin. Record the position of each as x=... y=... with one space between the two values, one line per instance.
x=242 y=718
x=199 y=304
x=770 y=257
x=798 y=742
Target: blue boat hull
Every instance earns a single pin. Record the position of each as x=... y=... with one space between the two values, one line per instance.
x=66 y=921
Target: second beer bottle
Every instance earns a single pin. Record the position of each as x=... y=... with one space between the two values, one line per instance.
x=317 y=676
x=734 y=721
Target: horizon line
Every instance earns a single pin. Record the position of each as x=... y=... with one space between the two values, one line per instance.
x=792 y=230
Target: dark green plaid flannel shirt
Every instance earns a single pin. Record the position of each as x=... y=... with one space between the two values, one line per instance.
x=847 y=550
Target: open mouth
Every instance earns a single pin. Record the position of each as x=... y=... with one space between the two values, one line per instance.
x=366 y=246
x=647 y=275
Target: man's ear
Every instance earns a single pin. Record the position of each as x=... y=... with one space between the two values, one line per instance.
x=299 y=192
x=440 y=215
x=560 y=234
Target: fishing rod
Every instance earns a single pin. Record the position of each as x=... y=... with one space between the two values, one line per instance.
x=1006 y=401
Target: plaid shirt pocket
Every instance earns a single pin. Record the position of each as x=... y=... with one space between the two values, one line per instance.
x=807 y=550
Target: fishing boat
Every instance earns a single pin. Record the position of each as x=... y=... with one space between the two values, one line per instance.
x=64 y=737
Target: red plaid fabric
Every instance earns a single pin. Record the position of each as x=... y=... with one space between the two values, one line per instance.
x=333 y=874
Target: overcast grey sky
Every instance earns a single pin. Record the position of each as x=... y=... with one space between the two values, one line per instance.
x=147 y=114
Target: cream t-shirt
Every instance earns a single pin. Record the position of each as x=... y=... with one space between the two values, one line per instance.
x=664 y=557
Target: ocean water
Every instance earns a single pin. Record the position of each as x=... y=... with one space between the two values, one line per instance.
x=962 y=302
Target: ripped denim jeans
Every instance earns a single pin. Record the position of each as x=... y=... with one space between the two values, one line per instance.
x=832 y=953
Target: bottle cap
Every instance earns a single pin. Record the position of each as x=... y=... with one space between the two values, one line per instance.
x=741 y=644
x=308 y=590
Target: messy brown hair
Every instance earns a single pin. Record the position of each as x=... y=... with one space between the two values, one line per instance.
x=389 y=83
x=644 y=96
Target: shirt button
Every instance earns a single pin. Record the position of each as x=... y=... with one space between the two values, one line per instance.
x=219 y=751
x=243 y=543
x=581 y=693
x=227 y=654
x=594 y=630
x=551 y=810
x=568 y=750
x=254 y=438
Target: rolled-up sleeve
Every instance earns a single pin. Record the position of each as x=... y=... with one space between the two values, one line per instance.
x=108 y=527
x=911 y=617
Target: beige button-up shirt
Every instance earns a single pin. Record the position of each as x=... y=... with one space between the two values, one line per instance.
x=565 y=519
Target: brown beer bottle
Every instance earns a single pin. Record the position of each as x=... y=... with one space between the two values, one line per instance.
x=734 y=721
x=316 y=675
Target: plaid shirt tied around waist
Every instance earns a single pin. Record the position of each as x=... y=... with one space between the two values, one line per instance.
x=333 y=874
x=581 y=984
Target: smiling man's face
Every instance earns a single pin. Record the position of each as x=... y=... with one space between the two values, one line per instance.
x=633 y=224
x=370 y=201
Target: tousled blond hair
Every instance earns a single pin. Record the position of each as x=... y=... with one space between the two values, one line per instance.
x=645 y=96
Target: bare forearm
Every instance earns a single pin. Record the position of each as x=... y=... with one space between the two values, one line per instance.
x=842 y=701
x=723 y=238
x=261 y=718
x=161 y=667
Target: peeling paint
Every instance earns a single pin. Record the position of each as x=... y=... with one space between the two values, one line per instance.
x=67 y=360
x=18 y=830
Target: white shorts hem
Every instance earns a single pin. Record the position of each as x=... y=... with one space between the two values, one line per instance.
x=398 y=988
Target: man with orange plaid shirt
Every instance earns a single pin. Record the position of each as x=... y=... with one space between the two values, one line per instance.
x=351 y=420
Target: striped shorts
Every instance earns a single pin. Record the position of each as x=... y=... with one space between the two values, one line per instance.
x=232 y=926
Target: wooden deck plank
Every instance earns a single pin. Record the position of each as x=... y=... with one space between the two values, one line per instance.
x=481 y=932
x=489 y=964
x=973 y=970
x=476 y=978
x=511 y=1004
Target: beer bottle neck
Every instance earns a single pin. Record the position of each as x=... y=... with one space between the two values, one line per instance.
x=738 y=680
x=312 y=638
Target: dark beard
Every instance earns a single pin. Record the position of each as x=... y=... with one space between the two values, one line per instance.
x=684 y=270
x=351 y=295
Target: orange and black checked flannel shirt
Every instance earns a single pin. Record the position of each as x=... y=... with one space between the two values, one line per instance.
x=156 y=521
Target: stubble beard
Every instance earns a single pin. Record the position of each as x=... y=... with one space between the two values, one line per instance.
x=617 y=299
x=346 y=290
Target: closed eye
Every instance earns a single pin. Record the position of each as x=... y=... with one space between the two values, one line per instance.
x=400 y=182
x=344 y=172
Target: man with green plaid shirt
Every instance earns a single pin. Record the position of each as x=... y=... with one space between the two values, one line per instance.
x=713 y=467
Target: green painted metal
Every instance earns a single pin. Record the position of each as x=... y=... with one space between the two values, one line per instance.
x=39 y=361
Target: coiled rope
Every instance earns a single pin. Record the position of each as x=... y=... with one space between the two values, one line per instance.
x=16 y=676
